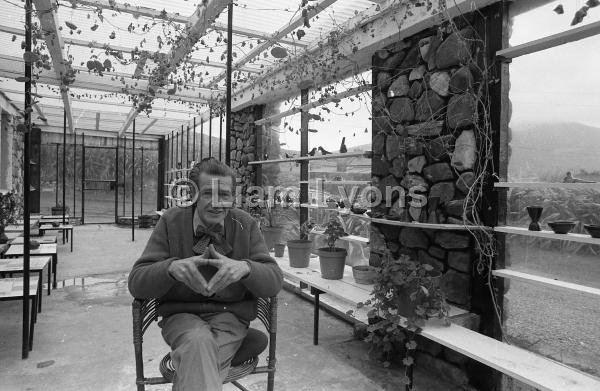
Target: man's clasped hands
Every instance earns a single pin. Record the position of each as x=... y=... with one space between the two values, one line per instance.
x=229 y=271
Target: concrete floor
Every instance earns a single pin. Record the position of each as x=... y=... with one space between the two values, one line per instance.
x=83 y=336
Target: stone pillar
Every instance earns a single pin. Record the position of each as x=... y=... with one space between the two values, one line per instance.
x=243 y=144
x=424 y=114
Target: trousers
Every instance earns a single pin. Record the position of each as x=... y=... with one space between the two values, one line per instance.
x=202 y=347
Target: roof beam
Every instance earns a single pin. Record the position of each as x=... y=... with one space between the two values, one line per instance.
x=105 y=46
x=12 y=67
x=97 y=121
x=200 y=20
x=94 y=132
x=276 y=37
x=151 y=124
x=8 y=105
x=41 y=115
x=354 y=50
x=99 y=102
x=47 y=13
x=176 y=17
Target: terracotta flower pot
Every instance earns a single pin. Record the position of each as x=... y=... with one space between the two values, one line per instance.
x=279 y=249
x=299 y=252
x=272 y=236
x=332 y=262
x=364 y=274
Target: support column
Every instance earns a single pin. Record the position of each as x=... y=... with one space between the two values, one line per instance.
x=75 y=172
x=82 y=178
x=303 y=152
x=194 y=142
x=161 y=174
x=220 y=135
x=228 y=82
x=133 y=184
x=210 y=132
x=117 y=182
x=142 y=183
x=64 y=165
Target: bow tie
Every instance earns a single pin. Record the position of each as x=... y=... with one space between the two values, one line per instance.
x=205 y=236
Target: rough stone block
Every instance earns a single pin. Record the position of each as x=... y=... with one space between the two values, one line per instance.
x=399 y=87
x=398 y=167
x=416 y=89
x=456 y=49
x=424 y=257
x=402 y=110
x=375 y=260
x=425 y=129
x=393 y=62
x=453 y=240
x=428 y=346
x=389 y=232
x=413 y=56
x=456 y=208
x=416 y=164
x=414 y=238
x=437 y=252
x=386 y=185
x=393 y=146
x=462 y=111
x=457 y=287
x=412 y=146
x=384 y=80
x=429 y=106
x=412 y=181
x=465 y=181
x=417 y=73
x=465 y=151
x=460 y=260
x=440 y=83
x=438 y=172
x=434 y=44
x=461 y=81
x=443 y=190
x=439 y=148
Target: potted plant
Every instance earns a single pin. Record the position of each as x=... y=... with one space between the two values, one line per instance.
x=9 y=212
x=331 y=203
x=364 y=274
x=57 y=210
x=407 y=293
x=299 y=249
x=333 y=259
x=279 y=249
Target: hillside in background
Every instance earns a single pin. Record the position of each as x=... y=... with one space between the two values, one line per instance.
x=546 y=151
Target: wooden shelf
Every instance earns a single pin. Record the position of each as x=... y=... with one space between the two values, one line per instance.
x=548 y=235
x=309 y=158
x=547 y=185
x=179 y=170
x=441 y=227
x=548 y=282
x=551 y=41
x=530 y=368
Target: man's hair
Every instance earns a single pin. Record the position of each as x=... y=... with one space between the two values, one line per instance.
x=211 y=166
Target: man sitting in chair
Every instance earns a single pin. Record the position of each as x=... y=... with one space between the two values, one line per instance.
x=206 y=264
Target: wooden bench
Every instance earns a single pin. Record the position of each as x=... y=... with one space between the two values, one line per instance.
x=12 y=289
x=532 y=369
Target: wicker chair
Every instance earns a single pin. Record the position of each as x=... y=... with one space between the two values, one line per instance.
x=244 y=362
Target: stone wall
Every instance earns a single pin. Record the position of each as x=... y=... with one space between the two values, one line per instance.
x=243 y=144
x=424 y=141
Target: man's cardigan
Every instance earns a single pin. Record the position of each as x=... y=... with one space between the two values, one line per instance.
x=173 y=238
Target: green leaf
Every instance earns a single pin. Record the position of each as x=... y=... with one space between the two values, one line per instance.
x=405 y=380
x=360 y=305
x=408 y=361
x=22 y=79
x=411 y=345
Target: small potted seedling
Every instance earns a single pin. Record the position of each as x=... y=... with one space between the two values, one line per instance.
x=333 y=259
x=279 y=249
x=299 y=249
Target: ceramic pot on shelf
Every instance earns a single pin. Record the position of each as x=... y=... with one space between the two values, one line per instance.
x=535 y=212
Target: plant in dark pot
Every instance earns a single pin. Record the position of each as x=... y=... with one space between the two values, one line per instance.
x=9 y=212
x=407 y=293
x=333 y=259
x=299 y=249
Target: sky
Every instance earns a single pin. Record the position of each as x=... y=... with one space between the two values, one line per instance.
x=558 y=84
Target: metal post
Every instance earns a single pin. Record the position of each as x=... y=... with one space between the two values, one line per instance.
x=221 y=135
x=133 y=184
x=303 y=152
x=124 y=173
x=142 y=185
x=117 y=182
x=181 y=153
x=187 y=147
x=74 y=171
x=171 y=161
x=26 y=221
x=176 y=155
x=82 y=178
x=161 y=174
x=56 y=178
x=201 y=138
x=210 y=132
x=194 y=141
x=64 y=164
x=229 y=61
